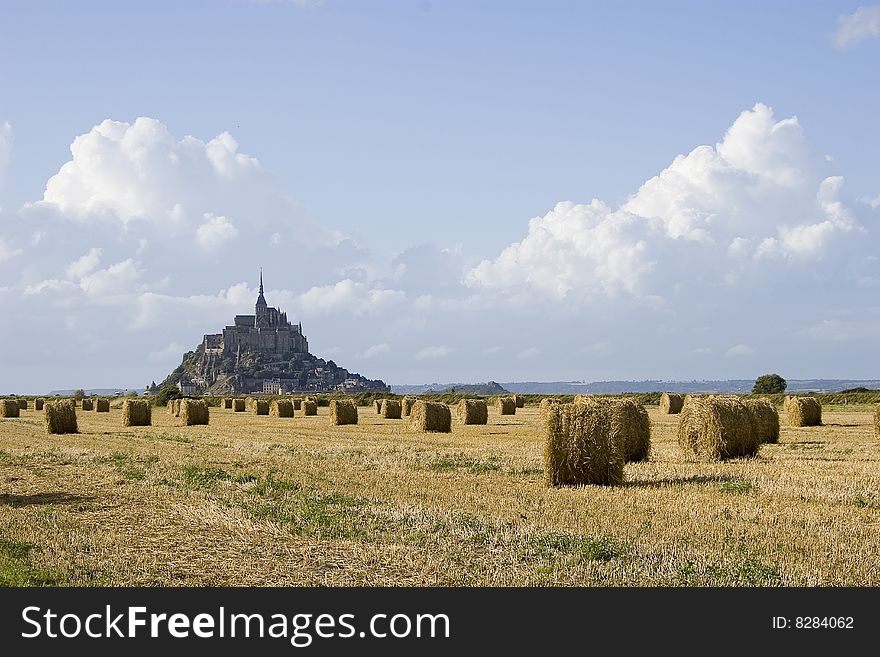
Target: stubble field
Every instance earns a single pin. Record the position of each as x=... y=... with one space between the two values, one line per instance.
x=258 y=500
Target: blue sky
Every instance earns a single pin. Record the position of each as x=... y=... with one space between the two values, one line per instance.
x=402 y=144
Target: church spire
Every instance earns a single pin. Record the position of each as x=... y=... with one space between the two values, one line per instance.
x=261 y=300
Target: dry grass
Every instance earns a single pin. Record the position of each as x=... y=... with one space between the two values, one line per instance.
x=343 y=411
x=581 y=445
x=60 y=417
x=803 y=411
x=430 y=416
x=281 y=408
x=194 y=412
x=766 y=419
x=262 y=501
x=717 y=427
x=390 y=409
x=473 y=411
x=671 y=403
x=137 y=413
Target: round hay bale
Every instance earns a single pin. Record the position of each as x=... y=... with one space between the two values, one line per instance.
x=102 y=406
x=343 y=411
x=9 y=408
x=766 y=419
x=38 y=404
x=877 y=420
x=260 y=406
x=23 y=404
x=238 y=405
x=88 y=405
x=406 y=405
x=582 y=445
x=390 y=409
x=630 y=420
x=473 y=411
x=60 y=416
x=505 y=405
x=309 y=407
x=227 y=403
x=430 y=416
x=717 y=427
x=671 y=403
x=378 y=403
x=297 y=404
x=803 y=411
x=520 y=401
x=281 y=408
x=136 y=413
x=194 y=411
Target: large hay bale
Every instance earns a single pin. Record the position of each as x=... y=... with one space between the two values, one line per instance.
x=260 y=406
x=38 y=404
x=390 y=409
x=102 y=406
x=630 y=419
x=378 y=403
x=281 y=408
x=9 y=408
x=23 y=404
x=88 y=405
x=60 y=416
x=803 y=411
x=717 y=427
x=343 y=411
x=227 y=402
x=136 y=413
x=238 y=406
x=520 y=401
x=473 y=411
x=582 y=445
x=309 y=407
x=505 y=405
x=766 y=419
x=671 y=403
x=297 y=404
x=430 y=416
x=194 y=411
x=406 y=405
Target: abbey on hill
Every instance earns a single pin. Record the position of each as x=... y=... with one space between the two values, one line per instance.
x=262 y=353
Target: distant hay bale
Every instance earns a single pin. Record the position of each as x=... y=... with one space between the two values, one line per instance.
x=60 y=416
x=766 y=419
x=136 y=413
x=520 y=401
x=505 y=405
x=102 y=406
x=717 y=427
x=297 y=404
x=9 y=408
x=877 y=420
x=227 y=402
x=343 y=411
x=803 y=411
x=23 y=404
x=87 y=405
x=406 y=405
x=281 y=408
x=238 y=405
x=378 y=403
x=390 y=409
x=38 y=404
x=260 y=406
x=473 y=411
x=582 y=445
x=671 y=403
x=194 y=411
x=249 y=404
x=173 y=407
x=309 y=407
x=430 y=416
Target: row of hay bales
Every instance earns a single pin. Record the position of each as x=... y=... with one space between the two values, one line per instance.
x=801 y=411
x=12 y=407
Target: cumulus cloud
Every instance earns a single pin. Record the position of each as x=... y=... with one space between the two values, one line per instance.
x=861 y=25
x=84 y=264
x=7 y=251
x=215 y=232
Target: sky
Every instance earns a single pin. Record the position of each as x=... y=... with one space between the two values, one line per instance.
x=442 y=191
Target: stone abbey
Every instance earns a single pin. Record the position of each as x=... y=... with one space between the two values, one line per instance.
x=262 y=353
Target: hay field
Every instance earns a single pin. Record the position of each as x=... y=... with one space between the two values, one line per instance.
x=261 y=500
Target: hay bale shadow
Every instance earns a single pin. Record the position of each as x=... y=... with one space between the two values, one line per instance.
x=698 y=480
x=17 y=501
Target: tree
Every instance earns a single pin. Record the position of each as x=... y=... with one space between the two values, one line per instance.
x=79 y=394
x=165 y=394
x=769 y=384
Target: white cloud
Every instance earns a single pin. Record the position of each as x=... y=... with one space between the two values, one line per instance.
x=7 y=251
x=346 y=296
x=5 y=149
x=375 y=350
x=215 y=232
x=739 y=350
x=84 y=264
x=861 y=25
x=531 y=352
x=115 y=279
x=440 y=351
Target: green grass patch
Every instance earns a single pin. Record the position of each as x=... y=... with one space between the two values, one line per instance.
x=737 y=487
x=16 y=568
x=553 y=545
x=461 y=461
